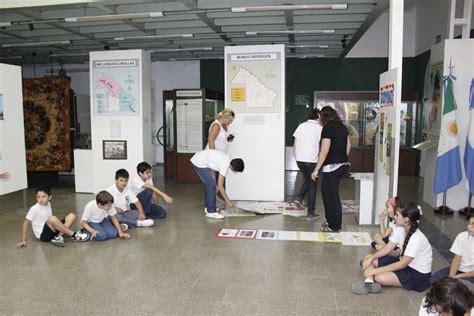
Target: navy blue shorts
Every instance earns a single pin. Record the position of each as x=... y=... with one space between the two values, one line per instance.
x=409 y=278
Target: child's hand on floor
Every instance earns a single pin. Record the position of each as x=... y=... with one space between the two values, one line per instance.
x=124 y=235
x=168 y=199
x=21 y=244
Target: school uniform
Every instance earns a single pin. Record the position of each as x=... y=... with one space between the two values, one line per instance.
x=98 y=220
x=203 y=163
x=308 y=136
x=122 y=200
x=145 y=196
x=38 y=215
x=416 y=276
x=462 y=246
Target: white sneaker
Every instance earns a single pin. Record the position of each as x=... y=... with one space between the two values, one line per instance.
x=205 y=210
x=215 y=215
x=145 y=223
x=123 y=227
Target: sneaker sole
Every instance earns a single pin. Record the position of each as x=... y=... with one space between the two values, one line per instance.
x=58 y=244
x=362 y=288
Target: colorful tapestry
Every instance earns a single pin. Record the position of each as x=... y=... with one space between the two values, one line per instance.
x=47 y=123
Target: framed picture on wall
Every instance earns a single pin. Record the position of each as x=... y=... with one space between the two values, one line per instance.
x=115 y=149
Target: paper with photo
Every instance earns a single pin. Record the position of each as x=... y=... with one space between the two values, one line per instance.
x=227 y=233
x=308 y=236
x=329 y=237
x=356 y=238
x=246 y=233
x=287 y=235
x=267 y=234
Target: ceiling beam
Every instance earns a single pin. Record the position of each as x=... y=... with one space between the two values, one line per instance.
x=192 y=5
x=379 y=8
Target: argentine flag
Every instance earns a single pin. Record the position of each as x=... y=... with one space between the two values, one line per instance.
x=448 y=165
x=469 y=152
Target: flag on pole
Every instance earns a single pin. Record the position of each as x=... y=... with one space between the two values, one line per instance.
x=469 y=152
x=448 y=171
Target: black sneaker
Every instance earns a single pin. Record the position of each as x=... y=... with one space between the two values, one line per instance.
x=314 y=215
x=328 y=229
x=58 y=241
x=373 y=244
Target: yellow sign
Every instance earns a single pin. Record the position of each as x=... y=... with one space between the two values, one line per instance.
x=238 y=94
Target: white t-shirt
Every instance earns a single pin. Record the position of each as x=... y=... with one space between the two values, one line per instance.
x=464 y=246
x=38 y=215
x=122 y=199
x=220 y=143
x=213 y=159
x=94 y=214
x=398 y=236
x=419 y=249
x=137 y=184
x=308 y=135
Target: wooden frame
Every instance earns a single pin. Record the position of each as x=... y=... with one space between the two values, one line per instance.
x=114 y=149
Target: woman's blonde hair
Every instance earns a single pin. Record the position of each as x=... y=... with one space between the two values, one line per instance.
x=225 y=113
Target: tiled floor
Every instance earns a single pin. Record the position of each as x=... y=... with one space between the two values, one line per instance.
x=179 y=267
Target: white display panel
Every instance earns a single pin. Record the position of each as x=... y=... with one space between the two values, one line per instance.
x=189 y=124
x=12 y=133
x=255 y=90
x=135 y=126
x=388 y=139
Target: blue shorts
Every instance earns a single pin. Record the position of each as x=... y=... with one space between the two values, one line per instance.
x=409 y=278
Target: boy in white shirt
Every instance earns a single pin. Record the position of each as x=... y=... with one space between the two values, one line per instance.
x=46 y=227
x=147 y=193
x=123 y=196
x=204 y=162
x=462 y=265
x=99 y=218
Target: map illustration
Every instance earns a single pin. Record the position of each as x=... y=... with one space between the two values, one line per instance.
x=257 y=93
x=116 y=87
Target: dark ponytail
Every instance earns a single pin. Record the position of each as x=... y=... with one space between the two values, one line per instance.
x=413 y=213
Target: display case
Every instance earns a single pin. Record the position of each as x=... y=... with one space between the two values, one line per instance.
x=187 y=114
x=359 y=112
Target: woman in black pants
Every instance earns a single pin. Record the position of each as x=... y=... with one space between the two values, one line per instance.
x=333 y=163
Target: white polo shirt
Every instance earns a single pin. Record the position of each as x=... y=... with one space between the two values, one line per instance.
x=38 y=215
x=419 y=249
x=213 y=159
x=398 y=236
x=463 y=246
x=137 y=184
x=94 y=214
x=122 y=199
x=308 y=135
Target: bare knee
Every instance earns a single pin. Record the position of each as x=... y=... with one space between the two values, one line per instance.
x=70 y=217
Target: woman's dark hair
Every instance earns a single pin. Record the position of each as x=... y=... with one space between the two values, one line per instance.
x=327 y=114
x=451 y=296
x=411 y=211
x=314 y=114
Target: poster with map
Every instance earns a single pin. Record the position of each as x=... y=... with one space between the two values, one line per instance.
x=254 y=82
x=116 y=87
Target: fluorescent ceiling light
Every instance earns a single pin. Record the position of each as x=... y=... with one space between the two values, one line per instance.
x=79 y=54
x=112 y=17
x=34 y=44
x=307 y=46
x=3 y=24
x=11 y=57
x=152 y=37
x=184 y=49
x=307 y=56
x=298 y=32
x=290 y=7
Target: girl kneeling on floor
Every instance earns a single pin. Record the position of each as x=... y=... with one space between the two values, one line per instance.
x=412 y=270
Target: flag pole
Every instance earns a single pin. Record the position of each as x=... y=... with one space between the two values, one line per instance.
x=468 y=209
x=443 y=209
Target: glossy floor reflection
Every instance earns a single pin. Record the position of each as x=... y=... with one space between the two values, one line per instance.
x=179 y=267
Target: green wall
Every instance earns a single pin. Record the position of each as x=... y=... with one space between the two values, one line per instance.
x=304 y=76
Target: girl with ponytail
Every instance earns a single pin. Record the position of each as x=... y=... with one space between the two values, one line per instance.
x=412 y=270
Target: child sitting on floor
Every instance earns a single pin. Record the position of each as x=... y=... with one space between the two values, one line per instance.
x=412 y=270
x=147 y=193
x=381 y=239
x=46 y=227
x=462 y=265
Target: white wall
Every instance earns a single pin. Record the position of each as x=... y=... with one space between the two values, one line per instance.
x=374 y=43
x=169 y=75
x=431 y=21
x=12 y=139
